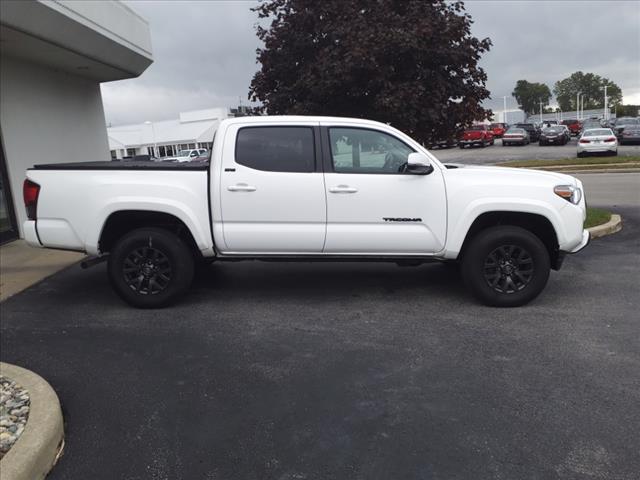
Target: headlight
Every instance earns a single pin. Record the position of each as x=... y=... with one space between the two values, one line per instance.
x=568 y=192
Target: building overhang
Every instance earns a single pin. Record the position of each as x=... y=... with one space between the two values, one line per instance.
x=103 y=41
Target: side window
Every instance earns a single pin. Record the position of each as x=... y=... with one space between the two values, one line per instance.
x=276 y=149
x=357 y=150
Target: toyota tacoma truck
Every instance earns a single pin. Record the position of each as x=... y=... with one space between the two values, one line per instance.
x=308 y=188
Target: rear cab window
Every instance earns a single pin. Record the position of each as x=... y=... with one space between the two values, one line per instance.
x=276 y=149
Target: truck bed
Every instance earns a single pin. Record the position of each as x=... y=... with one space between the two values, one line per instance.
x=124 y=165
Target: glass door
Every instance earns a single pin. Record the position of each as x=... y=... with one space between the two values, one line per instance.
x=8 y=224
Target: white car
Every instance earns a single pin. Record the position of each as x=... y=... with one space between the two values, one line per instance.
x=597 y=140
x=308 y=189
x=187 y=155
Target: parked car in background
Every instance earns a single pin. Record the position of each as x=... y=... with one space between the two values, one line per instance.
x=443 y=143
x=597 y=140
x=532 y=130
x=498 y=129
x=573 y=125
x=556 y=135
x=516 y=136
x=187 y=155
x=477 y=135
x=630 y=134
x=622 y=124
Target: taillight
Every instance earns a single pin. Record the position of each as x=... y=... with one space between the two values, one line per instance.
x=610 y=139
x=584 y=140
x=30 y=191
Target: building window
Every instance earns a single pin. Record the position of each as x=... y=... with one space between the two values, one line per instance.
x=113 y=155
x=192 y=145
x=131 y=152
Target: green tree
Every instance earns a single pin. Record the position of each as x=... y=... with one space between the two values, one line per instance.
x=592 y=88
x=529 y=95
x=413 y=64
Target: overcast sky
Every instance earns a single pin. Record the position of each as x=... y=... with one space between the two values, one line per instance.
x=204 y=52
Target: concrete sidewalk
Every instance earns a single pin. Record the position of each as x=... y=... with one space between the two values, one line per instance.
x=22 y=266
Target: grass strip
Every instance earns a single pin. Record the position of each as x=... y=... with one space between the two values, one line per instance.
x=596 y=216
x=571 y=161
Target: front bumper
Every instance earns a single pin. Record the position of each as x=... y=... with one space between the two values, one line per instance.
x=586 y=238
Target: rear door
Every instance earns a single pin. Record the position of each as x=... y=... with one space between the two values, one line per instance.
x=374 y=206
x=272 y=189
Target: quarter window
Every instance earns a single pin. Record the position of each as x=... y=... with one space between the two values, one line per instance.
x=357 y=150
x=276 y=149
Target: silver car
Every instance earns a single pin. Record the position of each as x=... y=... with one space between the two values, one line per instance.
x=597 y=140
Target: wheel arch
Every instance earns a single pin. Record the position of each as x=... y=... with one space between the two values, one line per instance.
x=537 y=224
x=122 y=222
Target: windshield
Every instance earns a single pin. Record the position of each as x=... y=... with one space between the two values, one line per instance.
x=597 y=132
x=183 y=153
x=477 y=127
x=553 y=130
x=515 y=131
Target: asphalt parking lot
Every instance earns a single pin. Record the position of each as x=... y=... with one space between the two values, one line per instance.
x=345 y=371
x=497 y=153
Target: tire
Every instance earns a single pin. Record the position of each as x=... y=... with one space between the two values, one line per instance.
x=492 y=142
x=150 y=268
x=504 y=144
x=496 y=286
x=580 y=154
x=461 y=146
x=483 y=144
x=615 y=154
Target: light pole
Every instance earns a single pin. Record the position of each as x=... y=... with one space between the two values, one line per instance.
x=606 y=110
x=153 y=134
x=504 y=111
x=540 y=102
x=578 y=105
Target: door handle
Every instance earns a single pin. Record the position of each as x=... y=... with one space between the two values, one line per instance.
x=241 y=187
x=343 y=189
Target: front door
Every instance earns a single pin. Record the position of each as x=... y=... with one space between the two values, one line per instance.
x=373 y=205
x=272 y=190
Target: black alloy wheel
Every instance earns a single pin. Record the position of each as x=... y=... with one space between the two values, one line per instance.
x=147 y=270
x=505 y=266
x=508 y=269
x=151 y=267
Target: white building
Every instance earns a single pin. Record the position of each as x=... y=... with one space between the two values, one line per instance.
x=193 y=129
x=53 y=56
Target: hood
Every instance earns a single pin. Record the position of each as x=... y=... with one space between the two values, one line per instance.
x=514 y=175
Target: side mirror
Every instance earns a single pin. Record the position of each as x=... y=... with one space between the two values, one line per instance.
x=419 y=164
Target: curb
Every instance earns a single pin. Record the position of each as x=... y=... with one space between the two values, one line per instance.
x=612 y=226
x=38 y=448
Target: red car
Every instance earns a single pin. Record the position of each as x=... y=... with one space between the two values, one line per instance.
x=574 y=126
x=498 y=129
x=477 y=135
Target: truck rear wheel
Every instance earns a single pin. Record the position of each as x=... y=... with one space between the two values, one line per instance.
x=150 y=267
x=505 y=266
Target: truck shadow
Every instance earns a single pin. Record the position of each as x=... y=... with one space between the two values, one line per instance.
x=254 y=279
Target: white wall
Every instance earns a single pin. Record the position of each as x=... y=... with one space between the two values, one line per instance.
x=47 y=116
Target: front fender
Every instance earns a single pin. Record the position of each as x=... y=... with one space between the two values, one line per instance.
x=460 y=227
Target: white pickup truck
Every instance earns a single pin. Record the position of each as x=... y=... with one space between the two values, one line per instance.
x=308 y=188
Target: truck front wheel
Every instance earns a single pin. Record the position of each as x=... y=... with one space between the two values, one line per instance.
x=505 y=266
x=150 y=267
